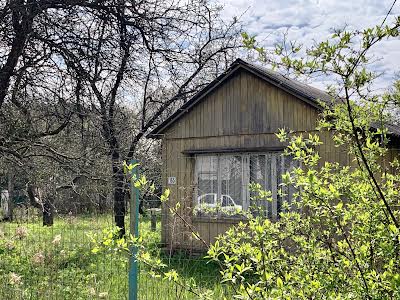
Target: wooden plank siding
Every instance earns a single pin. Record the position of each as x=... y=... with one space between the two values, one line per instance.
x=244 y=105
x=244 y=112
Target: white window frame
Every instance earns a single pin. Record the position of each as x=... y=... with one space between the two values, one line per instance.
x=245 y=161
x=245 y=175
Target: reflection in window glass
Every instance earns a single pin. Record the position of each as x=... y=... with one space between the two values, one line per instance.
x=223 y=180
x=231 y=178
x=259 y=173
x=226 y=201
x=267 y=170
x=207 y=199
x=207 y=179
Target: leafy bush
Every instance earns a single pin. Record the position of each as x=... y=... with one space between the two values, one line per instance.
x=334 y=241
x=339 y=238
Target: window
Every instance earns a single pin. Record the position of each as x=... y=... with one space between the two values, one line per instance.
x=222 y=183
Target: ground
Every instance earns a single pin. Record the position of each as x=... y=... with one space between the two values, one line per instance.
x=57 y=262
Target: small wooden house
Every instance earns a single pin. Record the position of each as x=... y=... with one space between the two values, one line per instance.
x=223 y=139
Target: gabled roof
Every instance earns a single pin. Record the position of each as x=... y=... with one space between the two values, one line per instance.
x=304 y=92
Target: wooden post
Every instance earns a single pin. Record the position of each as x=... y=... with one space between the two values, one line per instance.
x=153 y=220
x=10 y=200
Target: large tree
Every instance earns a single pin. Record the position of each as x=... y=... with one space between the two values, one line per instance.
x=111 y=57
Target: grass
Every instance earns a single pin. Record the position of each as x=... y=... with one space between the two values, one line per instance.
x=56 y=262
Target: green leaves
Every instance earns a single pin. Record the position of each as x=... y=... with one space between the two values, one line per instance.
x=128 y=168
x=248 y=41
x=333 y=242
x=171 y=275
x=279 y=283
x=393 y=229
x=165 y=195
x=141 y=182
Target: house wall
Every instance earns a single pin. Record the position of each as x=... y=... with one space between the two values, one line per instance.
x=244 y=105
x=245 y=112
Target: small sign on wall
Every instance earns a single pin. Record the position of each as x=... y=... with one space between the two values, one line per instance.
x=172 y=180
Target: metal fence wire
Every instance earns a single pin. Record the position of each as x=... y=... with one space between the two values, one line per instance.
x=57 y=262
x=169 y=230
x=209 y=193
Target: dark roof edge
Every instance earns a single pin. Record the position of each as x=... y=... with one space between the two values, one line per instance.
x=306 y=98
x=156 y=132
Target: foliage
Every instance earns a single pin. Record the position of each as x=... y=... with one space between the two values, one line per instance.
x=49 y=263
x=334 y=242
x=59 y=263
x=339 y=238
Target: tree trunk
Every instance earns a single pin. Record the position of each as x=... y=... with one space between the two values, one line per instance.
x=118 y=173
x=22 y=26
x=43 y=202
x=48 y=212
x=119 y=200
x=9 y=204
x=102 y=203
x=33 y=195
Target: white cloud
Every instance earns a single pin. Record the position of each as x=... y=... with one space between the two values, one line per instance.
x=313 y=20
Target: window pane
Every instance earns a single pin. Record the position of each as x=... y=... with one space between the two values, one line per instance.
x=207 y=182
x=231 y=180
x=220 y=186
x=267 y=170
x=207 y=199
x=258 y=175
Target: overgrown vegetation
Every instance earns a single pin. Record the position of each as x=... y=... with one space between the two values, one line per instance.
x=340 y=238
x=62 y=262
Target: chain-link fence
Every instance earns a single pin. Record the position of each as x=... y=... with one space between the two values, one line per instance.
x=57 y=262
x=54 y=254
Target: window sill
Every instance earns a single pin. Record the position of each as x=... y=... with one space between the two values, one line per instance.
x=221 y=219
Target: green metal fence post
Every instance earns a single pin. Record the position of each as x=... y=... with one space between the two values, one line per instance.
x=134 y=230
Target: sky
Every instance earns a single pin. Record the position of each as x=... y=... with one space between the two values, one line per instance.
x=307 y=21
